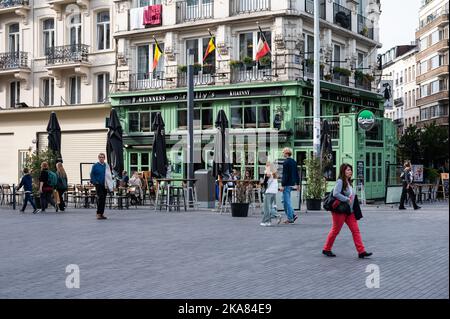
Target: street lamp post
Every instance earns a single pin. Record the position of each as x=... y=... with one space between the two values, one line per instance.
x=316 y=102
x=190 y=114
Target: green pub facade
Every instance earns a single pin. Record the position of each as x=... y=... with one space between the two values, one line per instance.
x=264 y=118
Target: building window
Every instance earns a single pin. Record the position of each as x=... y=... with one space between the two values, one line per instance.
x=424 y=90
x=103 y=31
x=75 y=29
x=102 y=87
x=435 y=87
x=250 y=114
x=75 y=90
x=145 y=61
x=435 y=37
x=146 y=3
x=413 y=72
x=14 y=38
x=141 y=121
x=413 y=102
x=248 y=43
x=336 y=55
x=435 y=62
x=361 y=59
x=48 y=29
x=198 y=47
x=14 y=93
x=48 y=86
x=203 y=116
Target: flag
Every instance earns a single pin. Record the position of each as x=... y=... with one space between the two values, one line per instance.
x=156 y=55
x=211 y=47
x=263 y=48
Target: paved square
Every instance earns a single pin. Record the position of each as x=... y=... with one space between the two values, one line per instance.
x=143 y=254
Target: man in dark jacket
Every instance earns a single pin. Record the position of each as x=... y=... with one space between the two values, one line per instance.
x=27 y=184
x=98 y=173
x=289 y=181
x=407 y=182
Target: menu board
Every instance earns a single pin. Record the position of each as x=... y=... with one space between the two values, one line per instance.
x=444 y=180
x=360 y=172
x=393 y=194
x=417 y=171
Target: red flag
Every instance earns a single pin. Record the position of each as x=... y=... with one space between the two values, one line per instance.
x=263 y=49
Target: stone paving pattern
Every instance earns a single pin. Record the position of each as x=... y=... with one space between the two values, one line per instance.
x=202 y=254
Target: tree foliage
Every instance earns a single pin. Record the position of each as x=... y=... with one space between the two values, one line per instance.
x=33 y=163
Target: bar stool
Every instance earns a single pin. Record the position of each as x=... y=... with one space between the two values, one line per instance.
x=225 y=205
x=162 y=196
x=176 y=192
x=191 y=195
x=257 y=198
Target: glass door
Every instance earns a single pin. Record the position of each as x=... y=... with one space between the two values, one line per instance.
x=138 y=162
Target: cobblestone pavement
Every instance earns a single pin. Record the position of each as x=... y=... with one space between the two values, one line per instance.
x=143 y=254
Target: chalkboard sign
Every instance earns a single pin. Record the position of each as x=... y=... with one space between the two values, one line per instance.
x=444 y=180
x=360 y=172
x=393 y=194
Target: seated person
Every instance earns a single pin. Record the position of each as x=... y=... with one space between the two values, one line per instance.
x=124 y=180
x=136 y=182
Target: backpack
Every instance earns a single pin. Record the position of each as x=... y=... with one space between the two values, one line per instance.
x=62 y=184
x=52 y=179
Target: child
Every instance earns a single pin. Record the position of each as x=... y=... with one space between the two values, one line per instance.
x=27 y=182
x=271 y=180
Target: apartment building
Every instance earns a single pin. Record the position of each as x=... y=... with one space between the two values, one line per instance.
x=433 y=62
x=399 y=67
x=272 y=95
x=55 y=55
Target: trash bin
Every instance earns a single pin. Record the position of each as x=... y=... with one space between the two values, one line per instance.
x=205 y=187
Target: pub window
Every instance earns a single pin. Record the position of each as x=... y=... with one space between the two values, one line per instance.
x=203 y=117
x=133 y=122
x=141 y=121
x=250 y=114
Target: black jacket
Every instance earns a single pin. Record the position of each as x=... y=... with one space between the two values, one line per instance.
x=290 y=173
x=357 y=209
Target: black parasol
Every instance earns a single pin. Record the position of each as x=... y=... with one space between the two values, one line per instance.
x=54 y=136
x=114 y=144
x=221 y=165
x=326 y=150
x=159 y=153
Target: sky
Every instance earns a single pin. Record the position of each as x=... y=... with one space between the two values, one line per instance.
x=398 y=22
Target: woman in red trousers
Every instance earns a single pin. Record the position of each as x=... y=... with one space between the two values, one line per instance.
x=343 y=191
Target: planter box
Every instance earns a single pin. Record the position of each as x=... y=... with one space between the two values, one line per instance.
x=239 y=210
x=313 y=204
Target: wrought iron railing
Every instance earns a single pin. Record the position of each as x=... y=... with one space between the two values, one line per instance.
x=13 y=3
x=309 y=71
x=13 y=60
x=67 y=54
x=247 y=6
x=205 y=75
x=340 y=79
x=342 y=16
x=194 y=10
x=309 y=8
x=251 y=73
x=303 y=127
x=365 y=26
x=146 y=81
x=363 y=84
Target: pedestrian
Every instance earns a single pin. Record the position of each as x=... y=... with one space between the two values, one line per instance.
x=289 y=181
x=101 y=177
x=407 y=183
x=27 y=183
x=46 y=188
x=343 y=191
x=124 y=180
x=62 y=185
x=270 y=194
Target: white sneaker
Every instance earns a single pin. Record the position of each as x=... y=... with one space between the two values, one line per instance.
x=265 y=224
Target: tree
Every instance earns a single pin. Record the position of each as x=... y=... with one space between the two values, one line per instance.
x=33 y=163
x=434 y=145
x=409 y=145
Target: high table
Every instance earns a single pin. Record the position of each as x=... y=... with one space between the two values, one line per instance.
x=168 y=182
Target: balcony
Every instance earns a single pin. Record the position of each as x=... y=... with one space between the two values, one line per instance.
x=248 y=6
x=19 y=7
x=398 y=102
x=309 y=8
x=16 y=64
x=438 y=21
x=303 y=127
x=203 y=75
x=440 y=47
x=58 y=5
x=340 y=79
x=365 y=27
x=194 y=10
x=342 y=16
x=437 y=97
x=440 y=71
x=309 y=70
x=251 y=73
x=146 y=81
x=363 y=84
x=67 y=54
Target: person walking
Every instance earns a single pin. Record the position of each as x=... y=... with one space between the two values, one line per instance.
x=27 y=183
x=407 y=183
x=45 y=189
x=62 y=185
x=289 y=181
x=270 y=194
x=343 y=191
x=101 y=177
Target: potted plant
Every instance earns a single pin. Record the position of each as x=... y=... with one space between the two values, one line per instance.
x=248 y=61
x=197 y=67
x=342 y=71
x=234 y=64
x=328 y=77
x=431 y=175
x=240 y=207
x=365 y=31
x=359 y=75
x=33 y=162
x=265 y=60
x=182 y=68
x=316 y=183
x=369 y=78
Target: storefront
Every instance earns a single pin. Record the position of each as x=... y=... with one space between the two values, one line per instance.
x=263 y=118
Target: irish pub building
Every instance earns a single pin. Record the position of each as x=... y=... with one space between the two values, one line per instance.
x=269 y=104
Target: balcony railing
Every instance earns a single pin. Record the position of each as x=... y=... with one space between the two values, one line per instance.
x=204 y=75
x=251 y=73
x=248 y=6
x=309 y=8
x=303 y=127
x=194 y=10
x=146 y=81
x=365 y=26
x=363 y=84
x=340 y=79
x=72 y=53
x=309 y=71
x=13 y=3
x=342 y=16
x=13 y=60
x=398 y=101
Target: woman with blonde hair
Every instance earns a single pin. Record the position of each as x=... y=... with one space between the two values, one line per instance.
x=271 y=186
x=61 y=187
x=45 y=189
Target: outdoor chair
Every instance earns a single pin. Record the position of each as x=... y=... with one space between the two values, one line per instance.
x=425 y=193
x=6 y=194
x=70 y=194
x=434 y=191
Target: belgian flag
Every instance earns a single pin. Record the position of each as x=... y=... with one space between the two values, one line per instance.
x=211 y=47
x=156 y=55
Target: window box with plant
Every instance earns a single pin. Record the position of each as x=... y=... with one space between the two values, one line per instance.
x=235 y=64
x=316 y=183
x=239 y=208
x=265 y=61
x=248 y=62
x=342 y=71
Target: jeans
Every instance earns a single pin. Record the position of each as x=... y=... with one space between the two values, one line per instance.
x=288 y=210
x=101 y=196
x=46 y=197
x=28 y=198
x=62 y=204
x=269 y=210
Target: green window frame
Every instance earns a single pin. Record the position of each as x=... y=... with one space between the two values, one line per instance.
x=251 y=114
x=141 y=121
x=203 y=116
